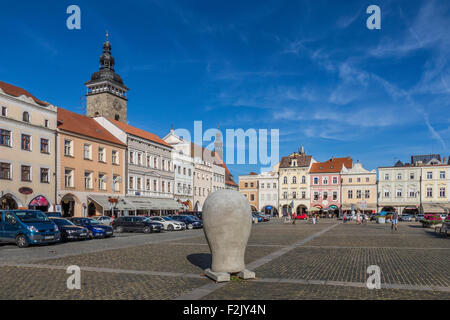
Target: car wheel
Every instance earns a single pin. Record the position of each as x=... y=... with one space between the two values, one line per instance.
x=170 y=227
x=147 y=230
x=22 y=241
x=190 y=226
x=119 y=229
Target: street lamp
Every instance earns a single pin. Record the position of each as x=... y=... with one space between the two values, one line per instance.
x=112 y=204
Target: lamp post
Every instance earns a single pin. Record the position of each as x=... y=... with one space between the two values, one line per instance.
x=112 y=204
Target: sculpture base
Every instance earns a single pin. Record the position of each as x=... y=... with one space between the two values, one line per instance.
x=225 y=276
x=217 y=276
x=246 y=274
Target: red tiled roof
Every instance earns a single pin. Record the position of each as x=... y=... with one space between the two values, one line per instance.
x=77 y=123
x=139 y=133
x=302 y=160
x=332 y=165
x=17 y=92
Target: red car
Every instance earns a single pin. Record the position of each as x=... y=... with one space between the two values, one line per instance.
x=302 y=216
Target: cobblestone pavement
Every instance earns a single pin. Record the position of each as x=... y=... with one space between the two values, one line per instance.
x=328 y=260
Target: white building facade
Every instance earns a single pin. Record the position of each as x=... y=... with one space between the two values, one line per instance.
x=268 y=193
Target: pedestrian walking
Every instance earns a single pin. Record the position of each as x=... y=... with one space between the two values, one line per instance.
x=314 y=219
x=358 y=218
x=394 y=220
x=345 y=217
x=294 y=217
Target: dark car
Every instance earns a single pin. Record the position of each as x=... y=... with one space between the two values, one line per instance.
x=70 y=231
x=136 y=224
x=53 y=214
x=96 y=229
x=263 y=217
x=197 y=214
x=191 y=222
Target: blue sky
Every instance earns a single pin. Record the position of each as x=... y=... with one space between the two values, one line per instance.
x=309 y=68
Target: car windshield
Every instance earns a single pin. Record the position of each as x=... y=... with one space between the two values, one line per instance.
x=92 y=221
x=168 y=219
x=63 y=222
x=31 y=216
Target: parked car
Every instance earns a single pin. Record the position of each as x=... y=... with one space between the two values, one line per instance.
x=25 y=227
x=302 y=216
x=405 y=217
x=263 y=217
x=53 y=214
x=190 y=221
x=107 y=221
x=169 y=223
x=420 y=217
x=267 y=216
x=197 y=214
x=136 y=224
x=96 y=229
x=259 y=218
x=70 y=231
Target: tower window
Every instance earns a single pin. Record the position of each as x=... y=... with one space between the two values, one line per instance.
x=117 y=117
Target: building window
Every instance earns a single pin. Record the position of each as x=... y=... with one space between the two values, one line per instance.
x=303 y=179
x=87 y=152
x=5 y=171
x=335 y=180
x=367 y=194
x=101 y=154
x=442 y=192
x=442 y=175
x=68 y=148
x=4 y=111
x=294 y=195
x=155 y=163
x=334 y=195
x=44 y=146
x=68 y=178
x=367 y=179
x=5 y=138
x=325 y=180
x=252 y=185
x=246 y=185
x=429 y=175
x=303 y=195
x=285 y=180
x=163 y=165
x=115 y=157
x=139 y=159
x=387 y=194
x=168 y=187
x=101 y=181
x=155 y=185
x=189 y=172
x=325 y=195
x=316 y=180
x=411 y=176
x=26 y=173
x=131 y=157
x=412 y=193
x=429 y=192
x=386 y=176
x=44 y=175
x=131 y=183
x=350 y=194
x=46 y=123
x=163 y=186
x=26 y=142
x=350 y=180
x=26 y=117
x=262 y=185
x=88 y=180
x=399 y=193
x=252 y=197
x=399 y=176
x=294 y=179
x=274 y=185
x=358 y=194
x=139 y=183
x=316 y=196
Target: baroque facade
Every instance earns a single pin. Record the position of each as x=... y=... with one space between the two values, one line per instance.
x=27 y=150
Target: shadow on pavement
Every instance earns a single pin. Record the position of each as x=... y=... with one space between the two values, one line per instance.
x=201 y=260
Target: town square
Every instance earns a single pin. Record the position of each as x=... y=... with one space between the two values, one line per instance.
x=211 y=151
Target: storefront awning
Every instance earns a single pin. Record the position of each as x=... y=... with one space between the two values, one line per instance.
x=103 y=201
x=141 y=203
x=436 y=208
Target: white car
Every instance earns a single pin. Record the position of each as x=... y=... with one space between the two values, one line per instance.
x=107 y=221
x=169 y=224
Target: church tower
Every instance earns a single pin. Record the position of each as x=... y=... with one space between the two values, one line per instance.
x=218 y=144
x=106 y=93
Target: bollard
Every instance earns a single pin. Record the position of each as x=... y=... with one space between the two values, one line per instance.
x=227 y=223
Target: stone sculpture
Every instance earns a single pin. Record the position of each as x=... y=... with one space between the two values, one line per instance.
x=227 y=223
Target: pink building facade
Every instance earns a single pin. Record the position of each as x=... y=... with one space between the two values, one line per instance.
x=326 y=183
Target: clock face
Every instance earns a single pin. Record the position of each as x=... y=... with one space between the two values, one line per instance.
x=117 y=105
